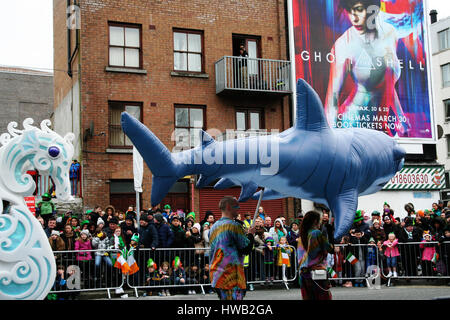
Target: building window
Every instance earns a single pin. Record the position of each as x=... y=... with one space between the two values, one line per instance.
x=447 y=109
x=124 y=45
x=188 y=50
x=446 y=75
x=448 y=145
x=444 y=39
x=117 y=137
x=189 y=121
x=249 y=119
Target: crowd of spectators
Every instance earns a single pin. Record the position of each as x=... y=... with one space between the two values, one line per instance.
x=378 y=238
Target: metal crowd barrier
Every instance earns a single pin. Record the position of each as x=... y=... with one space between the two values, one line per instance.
x=194 y=273
x=97 y=273
x=413 y=263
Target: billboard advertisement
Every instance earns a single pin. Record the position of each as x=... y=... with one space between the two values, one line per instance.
x=368 y=61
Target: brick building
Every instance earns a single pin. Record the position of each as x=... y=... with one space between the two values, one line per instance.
x=173 y=65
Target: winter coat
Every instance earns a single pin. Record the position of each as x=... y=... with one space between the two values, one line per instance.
x=429 y=249
x=179 y=237
x=193 y=239
x=45 y=207
x=274 y=233
x=292 y=238
x=83 y=245
x=338 y=259
x=378 y=234
x=101 y=246
x=391 y=251
x=148 y=236
x=165 y=235
x=403 y=236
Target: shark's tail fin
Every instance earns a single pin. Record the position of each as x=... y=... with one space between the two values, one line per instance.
x=157 y=157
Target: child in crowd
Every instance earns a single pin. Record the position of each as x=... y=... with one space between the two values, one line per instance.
x=391 y=252
x=101 y=243
x=283 y=253
x=268 y=259
x=428 y=255
x=59 y=285
x=371 y=257
x=178 y=274
x=84 y=257
x=164 y=273
x=338 y=261
x=153 y=278
x=193 y=275
x=347 y=267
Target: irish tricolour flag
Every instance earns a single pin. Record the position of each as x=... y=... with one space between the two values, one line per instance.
x=351 y=258
x=132 y=264
x=122 y=264
x=284 y=257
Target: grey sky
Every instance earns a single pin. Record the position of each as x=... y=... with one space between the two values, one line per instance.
x=27 y=31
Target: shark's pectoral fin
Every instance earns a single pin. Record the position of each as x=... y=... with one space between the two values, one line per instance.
x=343 y=208
x=269 y=194
x=224 y=183
x=247 y=191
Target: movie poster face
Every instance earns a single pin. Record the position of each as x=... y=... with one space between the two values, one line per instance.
x=367 y=61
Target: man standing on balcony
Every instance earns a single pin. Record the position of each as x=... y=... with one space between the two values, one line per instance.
x=229 y=244
x=242 y=67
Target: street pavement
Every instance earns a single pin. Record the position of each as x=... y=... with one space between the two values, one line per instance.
x=400 y=292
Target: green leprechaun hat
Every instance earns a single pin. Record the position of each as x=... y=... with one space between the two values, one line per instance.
x=151 y=263
x=358 y=216
x=176 y=263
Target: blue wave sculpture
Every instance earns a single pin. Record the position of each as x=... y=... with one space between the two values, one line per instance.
x=308 y=161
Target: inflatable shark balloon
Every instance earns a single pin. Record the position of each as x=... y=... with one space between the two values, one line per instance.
x=308 y=161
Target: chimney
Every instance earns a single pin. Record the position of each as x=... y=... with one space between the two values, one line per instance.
x=433 y=15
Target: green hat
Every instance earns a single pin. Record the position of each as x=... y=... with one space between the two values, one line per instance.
x=270 y=239
x=89 y=211
x=167 y=206
x=371 y=239
x=46 y=195
x=358 y=216
x=151 y=263
x=84 y=222
x=206 y=223
x=191 y=214
x=135 y=237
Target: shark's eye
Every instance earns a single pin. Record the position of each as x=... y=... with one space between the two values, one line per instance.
x=54 y=152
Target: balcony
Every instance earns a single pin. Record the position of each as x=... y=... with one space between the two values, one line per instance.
x=237 y=75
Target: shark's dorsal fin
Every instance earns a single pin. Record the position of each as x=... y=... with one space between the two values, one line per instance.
x=310 y=113
x=205 y=138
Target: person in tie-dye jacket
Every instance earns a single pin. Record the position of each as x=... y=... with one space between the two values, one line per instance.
x=229 y=244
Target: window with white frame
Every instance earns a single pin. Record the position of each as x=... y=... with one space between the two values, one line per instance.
x=444 y=39
x=124 y=45
x=189 y=121
x=188 y=50
x=117 y=138
x=447 y=109
x=445 y=75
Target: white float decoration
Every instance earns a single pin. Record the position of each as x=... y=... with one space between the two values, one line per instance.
x=27 y=263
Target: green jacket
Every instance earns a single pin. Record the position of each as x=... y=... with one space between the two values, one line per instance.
x=46 y=207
